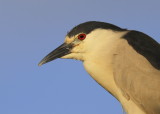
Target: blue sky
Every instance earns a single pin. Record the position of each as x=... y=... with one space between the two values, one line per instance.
x=30 y=29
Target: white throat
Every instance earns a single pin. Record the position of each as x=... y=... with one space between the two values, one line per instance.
x=98 y=62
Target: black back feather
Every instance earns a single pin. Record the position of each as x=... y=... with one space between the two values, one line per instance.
x=145 y=46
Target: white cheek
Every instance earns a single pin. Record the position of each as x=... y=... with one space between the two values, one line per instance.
x=78 y=49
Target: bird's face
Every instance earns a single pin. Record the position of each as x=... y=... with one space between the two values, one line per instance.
x=85 y=41
x=78 y=49
x=83 y=46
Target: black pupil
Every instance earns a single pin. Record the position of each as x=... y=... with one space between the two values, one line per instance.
x=81 y=36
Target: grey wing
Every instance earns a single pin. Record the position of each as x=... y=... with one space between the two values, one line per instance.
x=143 y=88
x=137 y=73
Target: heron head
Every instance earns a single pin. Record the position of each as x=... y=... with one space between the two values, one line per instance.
x=85 y=41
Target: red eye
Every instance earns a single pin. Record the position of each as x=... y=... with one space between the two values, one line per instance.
x=81 y=36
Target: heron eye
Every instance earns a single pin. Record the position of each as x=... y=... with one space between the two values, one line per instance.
x=81 y=36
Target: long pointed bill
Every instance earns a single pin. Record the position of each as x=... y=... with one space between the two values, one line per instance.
x=61 y=51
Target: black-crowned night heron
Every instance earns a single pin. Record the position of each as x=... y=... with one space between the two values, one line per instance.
x=125 y=62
